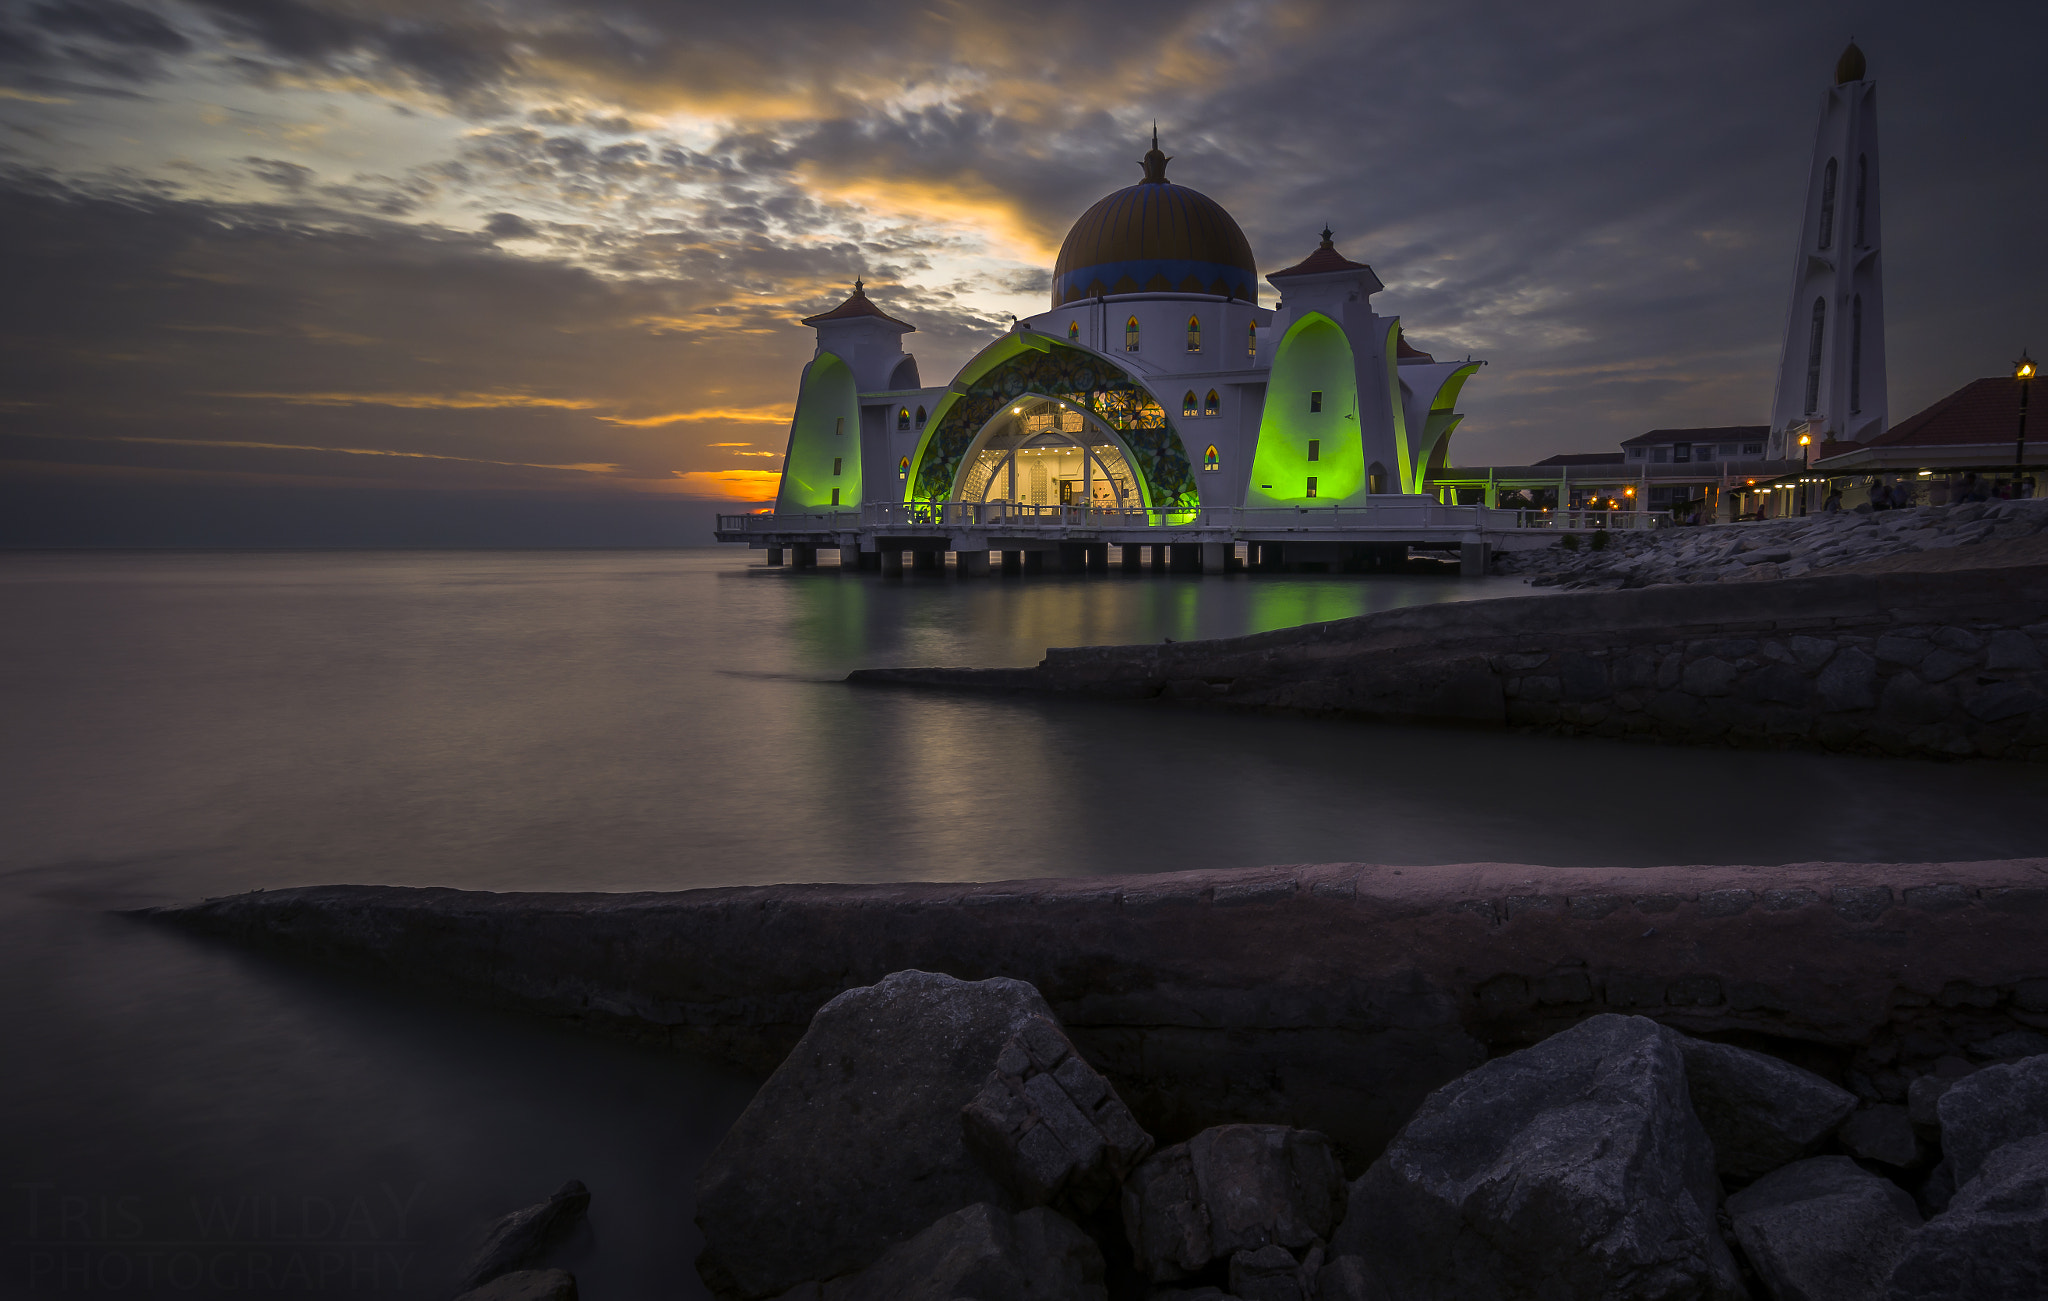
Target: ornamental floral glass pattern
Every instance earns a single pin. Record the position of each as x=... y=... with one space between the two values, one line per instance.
x=1080 y=378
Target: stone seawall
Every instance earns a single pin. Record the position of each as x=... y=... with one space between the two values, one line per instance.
x=1329 y=997
x=1928 y=664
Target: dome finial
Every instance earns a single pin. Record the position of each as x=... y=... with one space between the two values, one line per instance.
x=1155 y=162
x=1327 y=236
x=857 y=285
x=1850 y=67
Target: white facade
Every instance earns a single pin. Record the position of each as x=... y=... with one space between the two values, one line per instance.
x=1831 y=372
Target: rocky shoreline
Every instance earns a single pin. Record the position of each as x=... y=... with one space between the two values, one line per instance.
x=1313 y=1083
x=1934 y=665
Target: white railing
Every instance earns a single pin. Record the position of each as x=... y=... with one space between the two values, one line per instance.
x=1402 y=513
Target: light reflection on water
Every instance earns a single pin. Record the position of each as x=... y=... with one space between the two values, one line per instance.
x=180 y=725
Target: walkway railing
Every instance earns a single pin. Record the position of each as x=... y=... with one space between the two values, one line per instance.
x=1402 y=513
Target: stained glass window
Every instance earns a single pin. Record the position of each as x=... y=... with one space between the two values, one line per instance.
x=1131 y=335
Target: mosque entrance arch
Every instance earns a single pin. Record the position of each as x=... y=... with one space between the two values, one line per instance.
x=1032 y=368
x=1046 y=451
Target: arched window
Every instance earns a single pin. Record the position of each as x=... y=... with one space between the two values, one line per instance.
x=1187 y=404
x=903 y=417
x=1862 y=196
x=1194 y=334
x=1073 y=331
x=1827 y=206
x=903 y=468
x=1820 y=325
x=1856 y=355
x=1376 y=479
x=920 y=417
x=1210 y=460
x=1251 y=340
x=1131 y=335
x=1213 y=405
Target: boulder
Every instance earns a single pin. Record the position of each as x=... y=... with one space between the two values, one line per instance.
x=1823 y=1229
x=524 y=1234
x=526 y=1285
x=1348 y=1278
x=1229 y=1189
x=1990 y=1108
x=1882 y=1133
x=1049 y=1127
x=855 y=1143
x=983 y=1252
x=1572 y=1168
x=1272 y=1273
x=1992 y=1241
x=1759 y=1112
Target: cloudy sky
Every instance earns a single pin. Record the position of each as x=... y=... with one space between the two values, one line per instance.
x=444 y=252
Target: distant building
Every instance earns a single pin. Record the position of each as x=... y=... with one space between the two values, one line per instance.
x=1974 y=429
x=1698 y=446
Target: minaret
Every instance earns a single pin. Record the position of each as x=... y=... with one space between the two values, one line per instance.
x=1831 y=373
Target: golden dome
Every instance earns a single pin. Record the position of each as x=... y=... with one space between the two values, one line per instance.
x=1850 y=66
x=1155 y=237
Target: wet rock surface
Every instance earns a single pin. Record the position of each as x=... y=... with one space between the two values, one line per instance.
x=855 y=1143
x=525 y=1234
x=982 y=1252
x=1228 y=1190
x=1989 y=1109
x=1759 y=1112
x=1823 y=1229
x=1991 y=1244
x=1573 y=1168
x=1049 y=1127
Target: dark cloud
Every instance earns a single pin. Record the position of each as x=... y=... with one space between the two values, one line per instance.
x=112 y=22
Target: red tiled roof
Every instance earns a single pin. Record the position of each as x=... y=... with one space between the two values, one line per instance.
x=1324 y=260
x=1982 y=411
x=856 y=306
x=1584 y=458
x=1405 y=351
x=1714 y=435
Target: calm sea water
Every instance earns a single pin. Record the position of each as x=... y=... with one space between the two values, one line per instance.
x=186 y=725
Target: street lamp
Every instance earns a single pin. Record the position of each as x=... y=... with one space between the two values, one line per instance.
x=1805 y=460
x=2023 y=371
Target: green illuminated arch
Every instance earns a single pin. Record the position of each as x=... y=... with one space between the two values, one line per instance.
x=1313 y=357
x=824 y=435
x=1028 y=364
x=1441 y=422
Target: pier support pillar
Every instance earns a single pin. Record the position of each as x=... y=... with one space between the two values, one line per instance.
x=971 y=564
x=1272 y=556
x=1098 y=557
x=1034 y=562
x=929 y=562
x=804 y=557
x=1133 y=559
x=892 y=563
x=1472 y=558
x=1073 y=558
x=849 y=557
x=1013 y=562
x=775 y=557
x=1158 y=559
x=1215 y=557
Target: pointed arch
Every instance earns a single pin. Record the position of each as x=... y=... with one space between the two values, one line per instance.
x=1131 y=335
x=824 y=439
x=1187 y=404
x=1212 y=405
x=1813 y=354
x=1194 y=334
x=1862 y=199
x=920 y=417
x=1313 y=357
x=1827 y=205
x=1211 y=459
x=903 y=417
x=1856 y=356
x=1073 y=331
x=1251 y=339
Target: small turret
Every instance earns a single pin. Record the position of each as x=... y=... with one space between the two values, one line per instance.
x=1850 y=66
x=869 y=340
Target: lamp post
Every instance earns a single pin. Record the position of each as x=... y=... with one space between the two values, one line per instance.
x=1805 y=460
x=2023 y=371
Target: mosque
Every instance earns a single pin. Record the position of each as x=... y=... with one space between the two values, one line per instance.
x=1153 y=390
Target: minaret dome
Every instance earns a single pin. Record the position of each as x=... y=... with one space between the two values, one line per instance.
x=1850 y=66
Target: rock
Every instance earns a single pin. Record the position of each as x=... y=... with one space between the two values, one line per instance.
x=1347 y=1278
x=1938 y=1189
x=1882 y=1133
x=1759 y=1112
x=525 y=1234
x=1050 y=1128
x=1271 y=1273
x=1987 y=1110
x=1823 y=1229
x=526 y=1285
x=1572 y=1168
x=2013 y=1043
x=1992 y=1241
x=1921 y=1097
x=1229 y=1189
x=855 y=1143
x=983 y=1252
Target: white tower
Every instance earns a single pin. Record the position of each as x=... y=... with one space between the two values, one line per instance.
x=1831 y=373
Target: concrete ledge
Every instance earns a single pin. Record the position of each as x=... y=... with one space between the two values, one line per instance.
x=1333 y=997
x=1943 y=665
